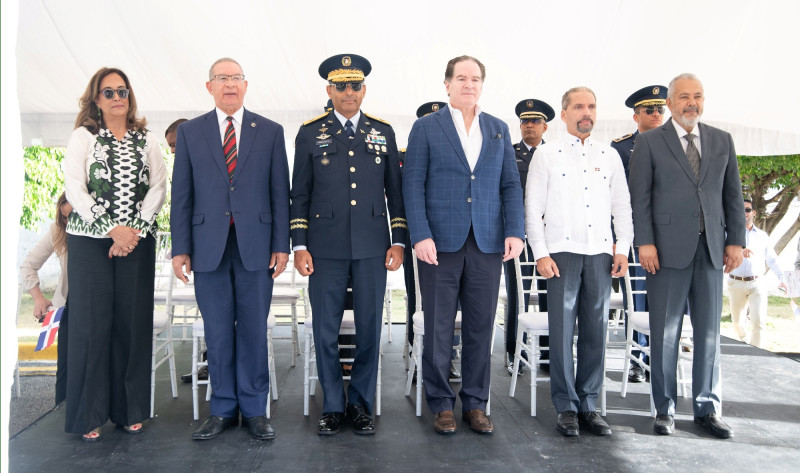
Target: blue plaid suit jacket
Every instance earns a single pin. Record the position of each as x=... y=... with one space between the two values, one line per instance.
x=443 y=198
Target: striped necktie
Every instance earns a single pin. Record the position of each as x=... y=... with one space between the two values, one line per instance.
x=229 y=147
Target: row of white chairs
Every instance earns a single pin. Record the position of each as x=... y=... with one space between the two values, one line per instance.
x=294 y=291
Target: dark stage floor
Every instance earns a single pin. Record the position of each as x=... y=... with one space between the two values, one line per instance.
x=761 y=402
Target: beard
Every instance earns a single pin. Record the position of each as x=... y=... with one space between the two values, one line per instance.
x=688 y=122
x=585 y=128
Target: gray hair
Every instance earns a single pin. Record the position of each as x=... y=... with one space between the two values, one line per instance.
x=565 y=97
x=220 y=60
x=685 y=75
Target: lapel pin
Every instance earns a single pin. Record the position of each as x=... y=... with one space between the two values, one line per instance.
x=253 y=124
x=499 y=135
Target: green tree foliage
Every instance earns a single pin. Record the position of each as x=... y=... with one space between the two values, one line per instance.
x=764 y=174
x=44 y=182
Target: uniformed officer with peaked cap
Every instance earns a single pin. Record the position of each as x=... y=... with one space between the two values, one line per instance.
x=533 y=117
x=648 y=113
x=346 y=169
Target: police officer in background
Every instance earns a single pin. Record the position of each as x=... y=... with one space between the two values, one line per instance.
x=533 y=117
x=346 y=168
x=648 y=112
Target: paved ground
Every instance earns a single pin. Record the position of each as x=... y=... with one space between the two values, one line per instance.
x=761 y=403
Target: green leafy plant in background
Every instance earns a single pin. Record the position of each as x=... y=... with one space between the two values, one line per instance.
x=44 y=182
x=762 y=174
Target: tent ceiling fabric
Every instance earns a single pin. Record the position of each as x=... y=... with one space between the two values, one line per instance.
x=739 y=49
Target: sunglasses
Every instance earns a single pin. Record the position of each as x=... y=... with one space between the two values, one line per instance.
x=747 y=211
x=535 y=121
x=109 y=93
x=651 y=110
x=342 y=86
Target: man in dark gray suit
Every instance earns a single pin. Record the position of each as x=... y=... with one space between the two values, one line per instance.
x=688 y=216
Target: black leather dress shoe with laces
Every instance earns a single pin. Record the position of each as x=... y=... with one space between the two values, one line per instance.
x=567 y=423
x=359 y=416
x=330 y=423
x=715 y=426
x=213 y=427
x=259 y=427
x=594 y=423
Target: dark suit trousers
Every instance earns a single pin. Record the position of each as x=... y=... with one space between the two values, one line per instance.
x=512 y=311
x=327 y=288
x=235 y=305
x=110 y=333
x=472 y=278
x=668 y=290
x=580 y=293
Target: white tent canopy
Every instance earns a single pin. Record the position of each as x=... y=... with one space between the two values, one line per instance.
x=531 y=49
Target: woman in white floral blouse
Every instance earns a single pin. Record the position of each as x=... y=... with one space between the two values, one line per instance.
x=115 y=179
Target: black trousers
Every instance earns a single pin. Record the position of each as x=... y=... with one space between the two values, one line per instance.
x=61 y=363
x=110 y=333
x=472 y=278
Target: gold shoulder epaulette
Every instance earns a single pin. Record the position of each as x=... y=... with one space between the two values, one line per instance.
x=315 y=119
x=378 y=119
x=622 y=138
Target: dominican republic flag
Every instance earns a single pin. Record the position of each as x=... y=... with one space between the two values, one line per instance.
x=49 y=328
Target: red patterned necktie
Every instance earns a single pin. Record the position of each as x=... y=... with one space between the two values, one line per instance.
x=229 y=147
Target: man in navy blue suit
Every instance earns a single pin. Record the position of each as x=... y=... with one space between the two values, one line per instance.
x=464 y=208
x=346 y=170
x=230 y=224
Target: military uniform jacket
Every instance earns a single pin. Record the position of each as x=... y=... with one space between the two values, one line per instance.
x=624 y=146
x=523 y=157
x=341 y=186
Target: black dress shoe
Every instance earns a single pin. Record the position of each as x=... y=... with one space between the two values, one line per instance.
x=330 y=423
x=202 y=375
x=664 y=424
x=213 y=427
x=594 y=423
x=567 y=423
x=359 y=416
x=715 y=426
x=259 y=427
x=636 y=374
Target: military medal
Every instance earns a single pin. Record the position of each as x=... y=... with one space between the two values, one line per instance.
x=325 y=161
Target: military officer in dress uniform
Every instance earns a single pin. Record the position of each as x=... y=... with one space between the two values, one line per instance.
x=648 y=113
x=533 y=117
x=346 y=168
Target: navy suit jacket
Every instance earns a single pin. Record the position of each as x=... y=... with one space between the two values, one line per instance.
x=204 y=198
x=443 y=198
x=667 y=200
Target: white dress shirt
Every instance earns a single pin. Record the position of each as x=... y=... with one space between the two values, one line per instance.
x=472 y=140
x=222 y=118
x=343 y=119
x=763 y=254
x=685 y=142
x=572 y=192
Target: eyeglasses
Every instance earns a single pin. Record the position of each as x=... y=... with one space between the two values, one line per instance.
x=121 y=93
x=223 y=78
x=342 y=86
x=747 y=211
x=651 y=110
x=535 y=121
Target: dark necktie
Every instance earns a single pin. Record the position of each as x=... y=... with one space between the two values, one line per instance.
x=229 y=147
x=348 y=128
x=694 y=161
